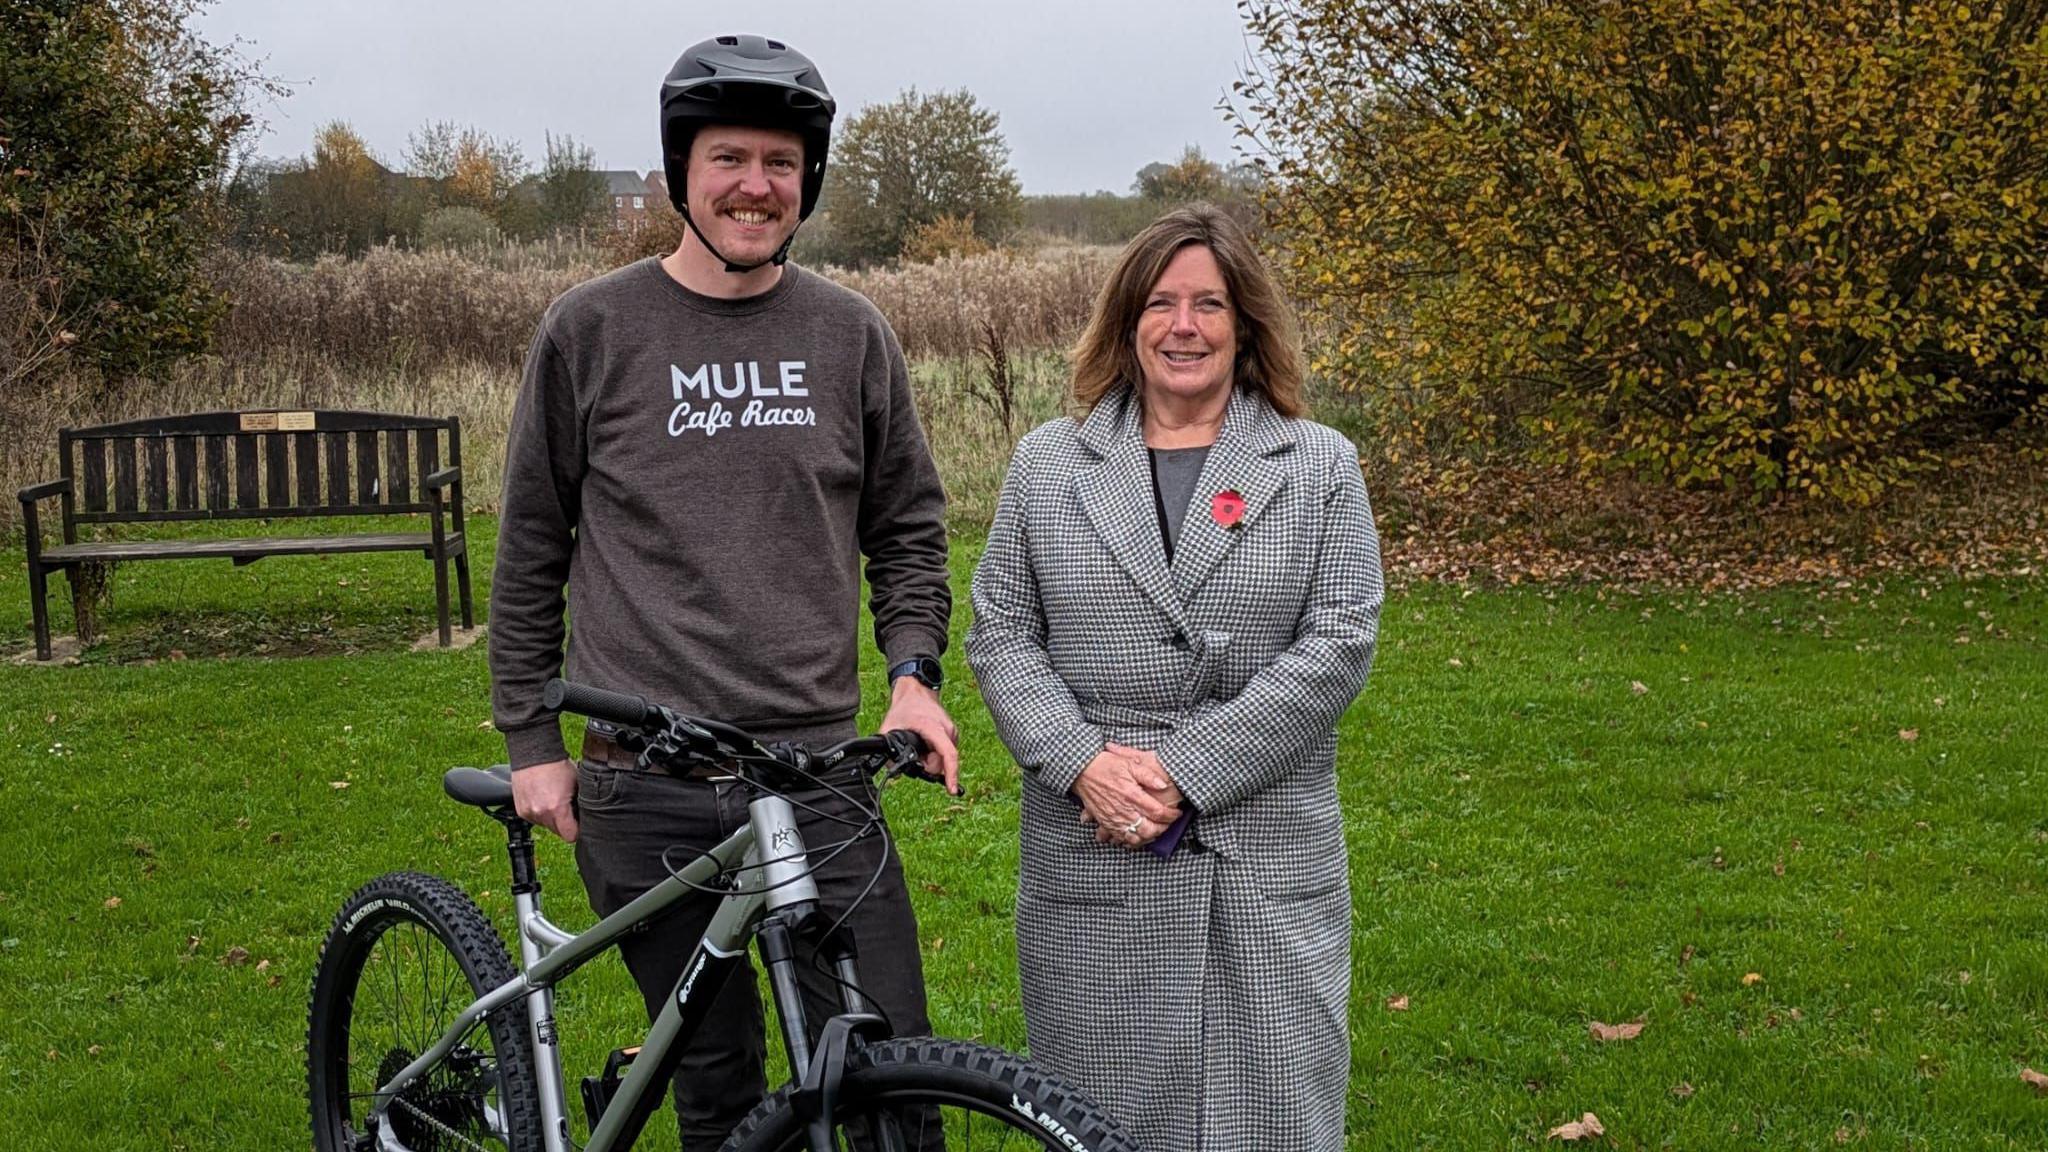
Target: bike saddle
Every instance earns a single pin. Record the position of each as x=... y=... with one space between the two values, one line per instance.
x=484 y=788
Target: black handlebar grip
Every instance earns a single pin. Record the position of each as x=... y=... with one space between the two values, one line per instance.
x=599 y=704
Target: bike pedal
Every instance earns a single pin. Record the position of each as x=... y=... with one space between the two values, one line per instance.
x=599 y=1091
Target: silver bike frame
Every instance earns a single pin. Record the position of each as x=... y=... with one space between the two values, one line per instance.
x=547 y=955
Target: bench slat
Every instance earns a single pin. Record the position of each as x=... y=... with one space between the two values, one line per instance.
x=397 y=467
x=366 y=468
x=248 y=490
x=430 y=458
x=306 y=446
x=277 y=471
x=217 y=473
x=244 y=547
x=185 y=453
x=337 y=468
x=124 y=474
x=156 y=469
x=94 y=453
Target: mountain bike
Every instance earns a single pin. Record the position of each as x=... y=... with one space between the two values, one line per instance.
x=423 y=1036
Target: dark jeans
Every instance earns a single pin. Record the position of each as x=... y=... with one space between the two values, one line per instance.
x=629 y=817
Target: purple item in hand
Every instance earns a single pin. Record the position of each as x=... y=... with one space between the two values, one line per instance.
x=1170 y=839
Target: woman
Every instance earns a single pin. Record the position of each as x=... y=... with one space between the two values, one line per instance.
x=1178 y=600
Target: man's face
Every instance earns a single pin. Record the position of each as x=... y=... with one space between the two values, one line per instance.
x=745 y=187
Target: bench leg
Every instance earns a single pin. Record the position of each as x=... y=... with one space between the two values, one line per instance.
x=441 y=595
x=462 y=585
x=84 y=613
x=39 y=607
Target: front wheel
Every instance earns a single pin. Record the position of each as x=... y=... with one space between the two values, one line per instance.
x=923 y=1094
x=407 y=953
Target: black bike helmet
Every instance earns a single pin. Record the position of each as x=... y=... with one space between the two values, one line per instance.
x=751 y=81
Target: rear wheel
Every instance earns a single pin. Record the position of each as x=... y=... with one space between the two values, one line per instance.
x=929 y=1094
x=407 y=953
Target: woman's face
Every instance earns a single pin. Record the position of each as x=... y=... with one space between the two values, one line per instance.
x=1187 y=334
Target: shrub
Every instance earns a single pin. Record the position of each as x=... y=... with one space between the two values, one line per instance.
x=946 y=236
x=457 y=227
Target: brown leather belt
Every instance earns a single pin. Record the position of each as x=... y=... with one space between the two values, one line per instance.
x=598 y=748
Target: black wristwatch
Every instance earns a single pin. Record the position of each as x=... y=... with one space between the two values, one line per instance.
x=925 y=668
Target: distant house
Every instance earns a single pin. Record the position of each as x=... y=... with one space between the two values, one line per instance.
x=633 y=196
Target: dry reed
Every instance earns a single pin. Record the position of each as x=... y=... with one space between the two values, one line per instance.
x=425 y=310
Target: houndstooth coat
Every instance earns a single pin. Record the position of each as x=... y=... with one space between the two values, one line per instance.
x=1200 y=998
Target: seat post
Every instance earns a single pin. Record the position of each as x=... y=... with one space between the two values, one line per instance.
x=519 y=846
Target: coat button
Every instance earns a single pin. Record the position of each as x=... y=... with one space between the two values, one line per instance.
x=1179 y=639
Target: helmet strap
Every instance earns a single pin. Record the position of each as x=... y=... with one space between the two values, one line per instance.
x=780 y=257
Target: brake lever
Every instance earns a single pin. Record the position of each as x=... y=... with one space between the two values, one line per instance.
x=906 y=757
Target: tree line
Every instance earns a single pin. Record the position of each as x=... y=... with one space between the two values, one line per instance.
x=920 y=176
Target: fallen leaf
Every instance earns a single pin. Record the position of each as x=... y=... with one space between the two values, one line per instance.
x=1397 y=1003
x=1749 y=978
x=1683 y=1090
x=1456 y=663
x=191 y=945
x=1609 y=1032
x=235 y=956
x=1639 y=688
x=1584 y=1126
x=112 y=903
x=274 y=980
x=484 y=725
x=263 y=965
x=1685 y=956
x=1909 y=734
x=2035 y=1080
x=337 y=784
x=94 y=1050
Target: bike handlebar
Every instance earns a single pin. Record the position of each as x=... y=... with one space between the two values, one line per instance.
x=902 y=750
x=600 y=704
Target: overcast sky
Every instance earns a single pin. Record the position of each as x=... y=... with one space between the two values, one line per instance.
x=1088 y=91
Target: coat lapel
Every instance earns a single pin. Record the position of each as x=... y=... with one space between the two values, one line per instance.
x=1117 y=495
x=1242 y=461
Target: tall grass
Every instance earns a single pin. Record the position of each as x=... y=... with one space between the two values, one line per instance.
x=443 y=333
x=406 y=309
x=970 y=442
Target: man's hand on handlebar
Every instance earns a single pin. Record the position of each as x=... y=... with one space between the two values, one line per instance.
x=916 y=708
x=546 y=795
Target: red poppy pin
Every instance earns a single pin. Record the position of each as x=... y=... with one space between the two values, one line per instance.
x=1227 y=508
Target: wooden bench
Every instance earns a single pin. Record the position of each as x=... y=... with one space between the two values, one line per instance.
x=252 y=466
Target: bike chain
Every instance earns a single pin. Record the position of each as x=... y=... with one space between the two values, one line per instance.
x=436 y=1121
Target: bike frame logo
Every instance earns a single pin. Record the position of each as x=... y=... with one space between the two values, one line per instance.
x=1045 y=1120
x=683 y=992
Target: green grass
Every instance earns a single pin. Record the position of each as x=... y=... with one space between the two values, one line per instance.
x=1535 y=845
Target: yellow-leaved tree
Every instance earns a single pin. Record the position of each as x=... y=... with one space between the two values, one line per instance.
x=1774 y=245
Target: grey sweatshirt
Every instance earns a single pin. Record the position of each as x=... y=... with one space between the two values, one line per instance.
x=704 y=475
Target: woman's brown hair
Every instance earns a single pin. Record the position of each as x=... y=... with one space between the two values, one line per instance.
x=1268 y=346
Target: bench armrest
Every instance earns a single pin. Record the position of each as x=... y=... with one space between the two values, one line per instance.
x=43 y=491
x=444 y=478
x=31 y=525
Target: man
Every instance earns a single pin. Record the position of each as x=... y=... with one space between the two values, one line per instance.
x=703 y=448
